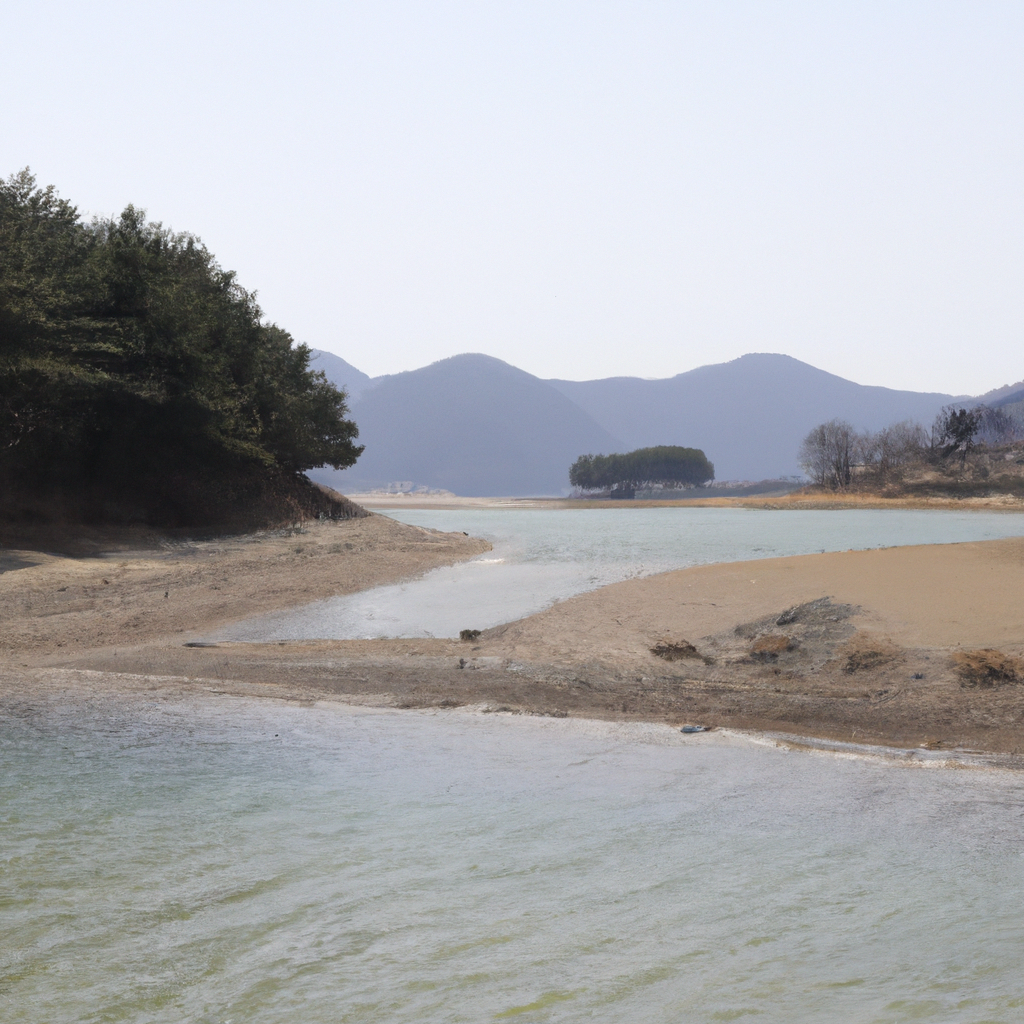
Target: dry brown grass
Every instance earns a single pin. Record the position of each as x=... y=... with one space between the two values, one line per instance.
x=987 y=667
x=866 y=652
x=770 y=645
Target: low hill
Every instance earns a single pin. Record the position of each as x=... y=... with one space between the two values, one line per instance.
x=1012 y=403
x=141 y=385
x=470 y=424
x=1000 y=396
x=749 y=415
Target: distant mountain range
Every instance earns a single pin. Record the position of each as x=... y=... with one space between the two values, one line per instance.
x=475 y=425
x=469 y=424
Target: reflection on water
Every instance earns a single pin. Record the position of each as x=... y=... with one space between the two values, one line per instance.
x=239 y=861
x=543 y=556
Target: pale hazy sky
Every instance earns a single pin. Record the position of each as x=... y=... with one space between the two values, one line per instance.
x=582 y=189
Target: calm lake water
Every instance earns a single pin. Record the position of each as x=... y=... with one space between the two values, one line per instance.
x=541 y=556
x=167 y=860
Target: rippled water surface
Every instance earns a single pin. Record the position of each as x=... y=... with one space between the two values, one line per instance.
x=228 y=860
x=541 y=556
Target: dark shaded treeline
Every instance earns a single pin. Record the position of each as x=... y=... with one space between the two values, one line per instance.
x=139 y=381
x=624 y=474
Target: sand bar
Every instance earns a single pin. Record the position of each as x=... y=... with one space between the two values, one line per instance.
x=865 y=646
x=949 y=595
x=126 y=593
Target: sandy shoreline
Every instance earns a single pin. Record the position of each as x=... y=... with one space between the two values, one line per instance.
x=88 y=691
x=128 y=595
x=867 y=647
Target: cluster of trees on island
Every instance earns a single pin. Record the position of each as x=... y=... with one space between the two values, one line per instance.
x=622 y=475
x=139 y=381
x=835 y=455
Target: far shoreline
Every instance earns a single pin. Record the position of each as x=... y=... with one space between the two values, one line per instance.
x=381 y=501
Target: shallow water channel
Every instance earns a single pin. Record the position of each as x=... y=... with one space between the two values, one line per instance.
x=217 y=859
x=541 y=556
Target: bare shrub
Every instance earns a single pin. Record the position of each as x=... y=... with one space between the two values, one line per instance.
x=864 y=653
x=827 y=454
x=676 y=650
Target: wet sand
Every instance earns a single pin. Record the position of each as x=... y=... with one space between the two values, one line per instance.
x=867 y=647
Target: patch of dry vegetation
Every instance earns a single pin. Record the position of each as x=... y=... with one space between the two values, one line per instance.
x=676 y=650
x=987 y=667
x=865 y=652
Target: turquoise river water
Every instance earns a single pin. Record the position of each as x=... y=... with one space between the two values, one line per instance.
x=542 y=556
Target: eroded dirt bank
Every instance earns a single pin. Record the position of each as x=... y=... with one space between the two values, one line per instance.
x=906 y=646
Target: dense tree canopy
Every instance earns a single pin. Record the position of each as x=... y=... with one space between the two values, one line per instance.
x=131 y=362
x=664 y=465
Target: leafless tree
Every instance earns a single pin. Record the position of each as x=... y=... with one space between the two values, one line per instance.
x=888 y=452
x=827 y=454
x=996 y=427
